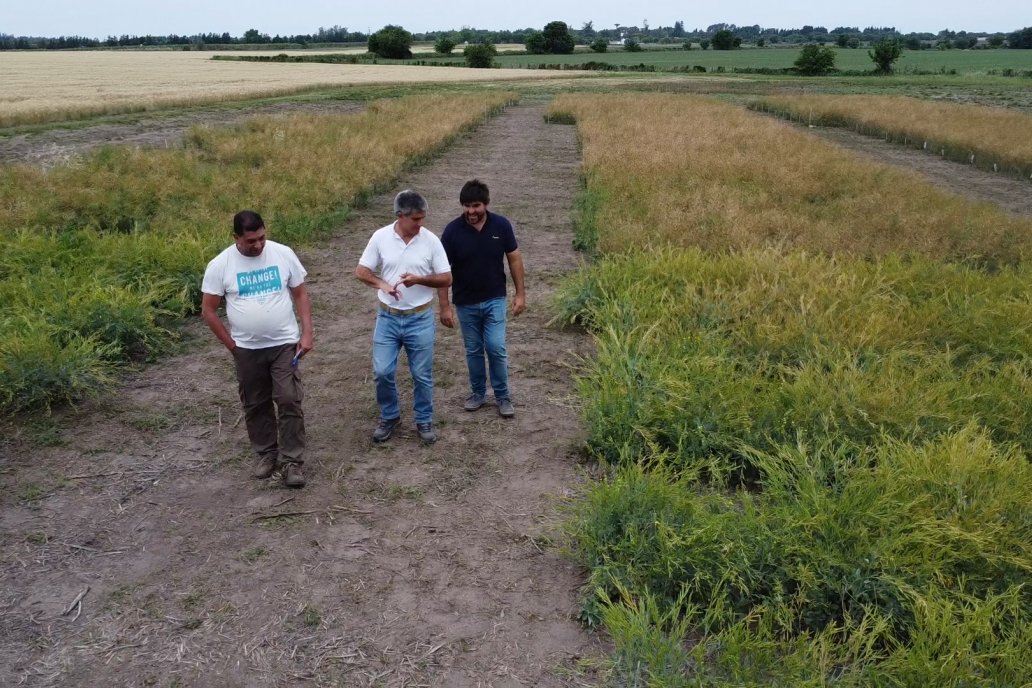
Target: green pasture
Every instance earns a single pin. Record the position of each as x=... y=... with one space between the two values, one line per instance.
x=846 y=59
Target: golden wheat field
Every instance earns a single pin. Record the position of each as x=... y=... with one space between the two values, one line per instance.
x=46 y=85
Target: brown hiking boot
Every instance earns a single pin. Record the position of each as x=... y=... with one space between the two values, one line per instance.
x=294 y=476
x=264 y=466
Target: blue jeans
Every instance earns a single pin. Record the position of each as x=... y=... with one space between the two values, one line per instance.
x=416 y=334
x=483 y=332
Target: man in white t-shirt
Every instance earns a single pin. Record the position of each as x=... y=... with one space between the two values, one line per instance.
x=406 y=263
x=262 y=282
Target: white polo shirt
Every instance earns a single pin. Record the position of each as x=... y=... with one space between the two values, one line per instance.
x=388 y=255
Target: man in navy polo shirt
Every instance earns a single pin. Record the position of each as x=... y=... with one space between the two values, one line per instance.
x=476 y=242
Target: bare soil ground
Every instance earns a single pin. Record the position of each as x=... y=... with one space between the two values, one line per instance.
x=398 y=565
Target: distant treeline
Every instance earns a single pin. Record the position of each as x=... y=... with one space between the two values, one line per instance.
x=845 y=36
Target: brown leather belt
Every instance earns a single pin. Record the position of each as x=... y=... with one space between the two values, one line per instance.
x=409 y=311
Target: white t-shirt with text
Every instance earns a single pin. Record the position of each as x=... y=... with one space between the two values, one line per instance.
x=257 y=290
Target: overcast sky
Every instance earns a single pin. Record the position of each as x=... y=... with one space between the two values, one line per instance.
x=101 y=18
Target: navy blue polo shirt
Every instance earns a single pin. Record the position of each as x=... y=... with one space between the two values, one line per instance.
x=476 y=258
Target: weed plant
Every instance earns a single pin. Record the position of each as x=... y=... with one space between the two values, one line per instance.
x=992 y=138
x=700 y=353
x=105 y=254
x=813 y=406
x=890 y=564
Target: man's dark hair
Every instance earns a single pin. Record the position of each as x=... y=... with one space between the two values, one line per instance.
x=247 y=221
x=474 y=191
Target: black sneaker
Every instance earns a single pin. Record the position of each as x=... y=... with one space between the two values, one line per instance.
x=264 y=466
x=426 y=433
x=294 y=476
x=473 y=402
x=384 y=429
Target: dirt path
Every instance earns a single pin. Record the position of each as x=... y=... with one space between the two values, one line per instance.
x=399 y=565
x=1010 y=193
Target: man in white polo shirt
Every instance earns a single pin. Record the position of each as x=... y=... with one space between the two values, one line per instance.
x=262 y=281
x=406 y=263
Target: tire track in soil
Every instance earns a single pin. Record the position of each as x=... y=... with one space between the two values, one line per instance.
x=398 y=565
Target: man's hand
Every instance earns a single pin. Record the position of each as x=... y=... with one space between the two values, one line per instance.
x=519 y=304
x=366 y=276
x=447 y=316
x=408 y=279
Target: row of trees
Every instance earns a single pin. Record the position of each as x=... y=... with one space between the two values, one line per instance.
x=334 y=34
x=556 y=39
x=394 y=42
x=537 y=40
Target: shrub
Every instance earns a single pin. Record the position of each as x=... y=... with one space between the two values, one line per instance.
x=558 y=39
x=885 y=53
x=392 y=42
x=725 y=40
x=1021 y=39
x=632 y=46
x=815 y=60
x=600 y=45
x=480 y=55
x=535 y=43
x=444 y=45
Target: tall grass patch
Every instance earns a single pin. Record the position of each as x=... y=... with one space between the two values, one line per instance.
x=889 y=564
x=689 y=171
x=812 y=408
x=993 y=138
x=104 y=254
x=700 y=354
